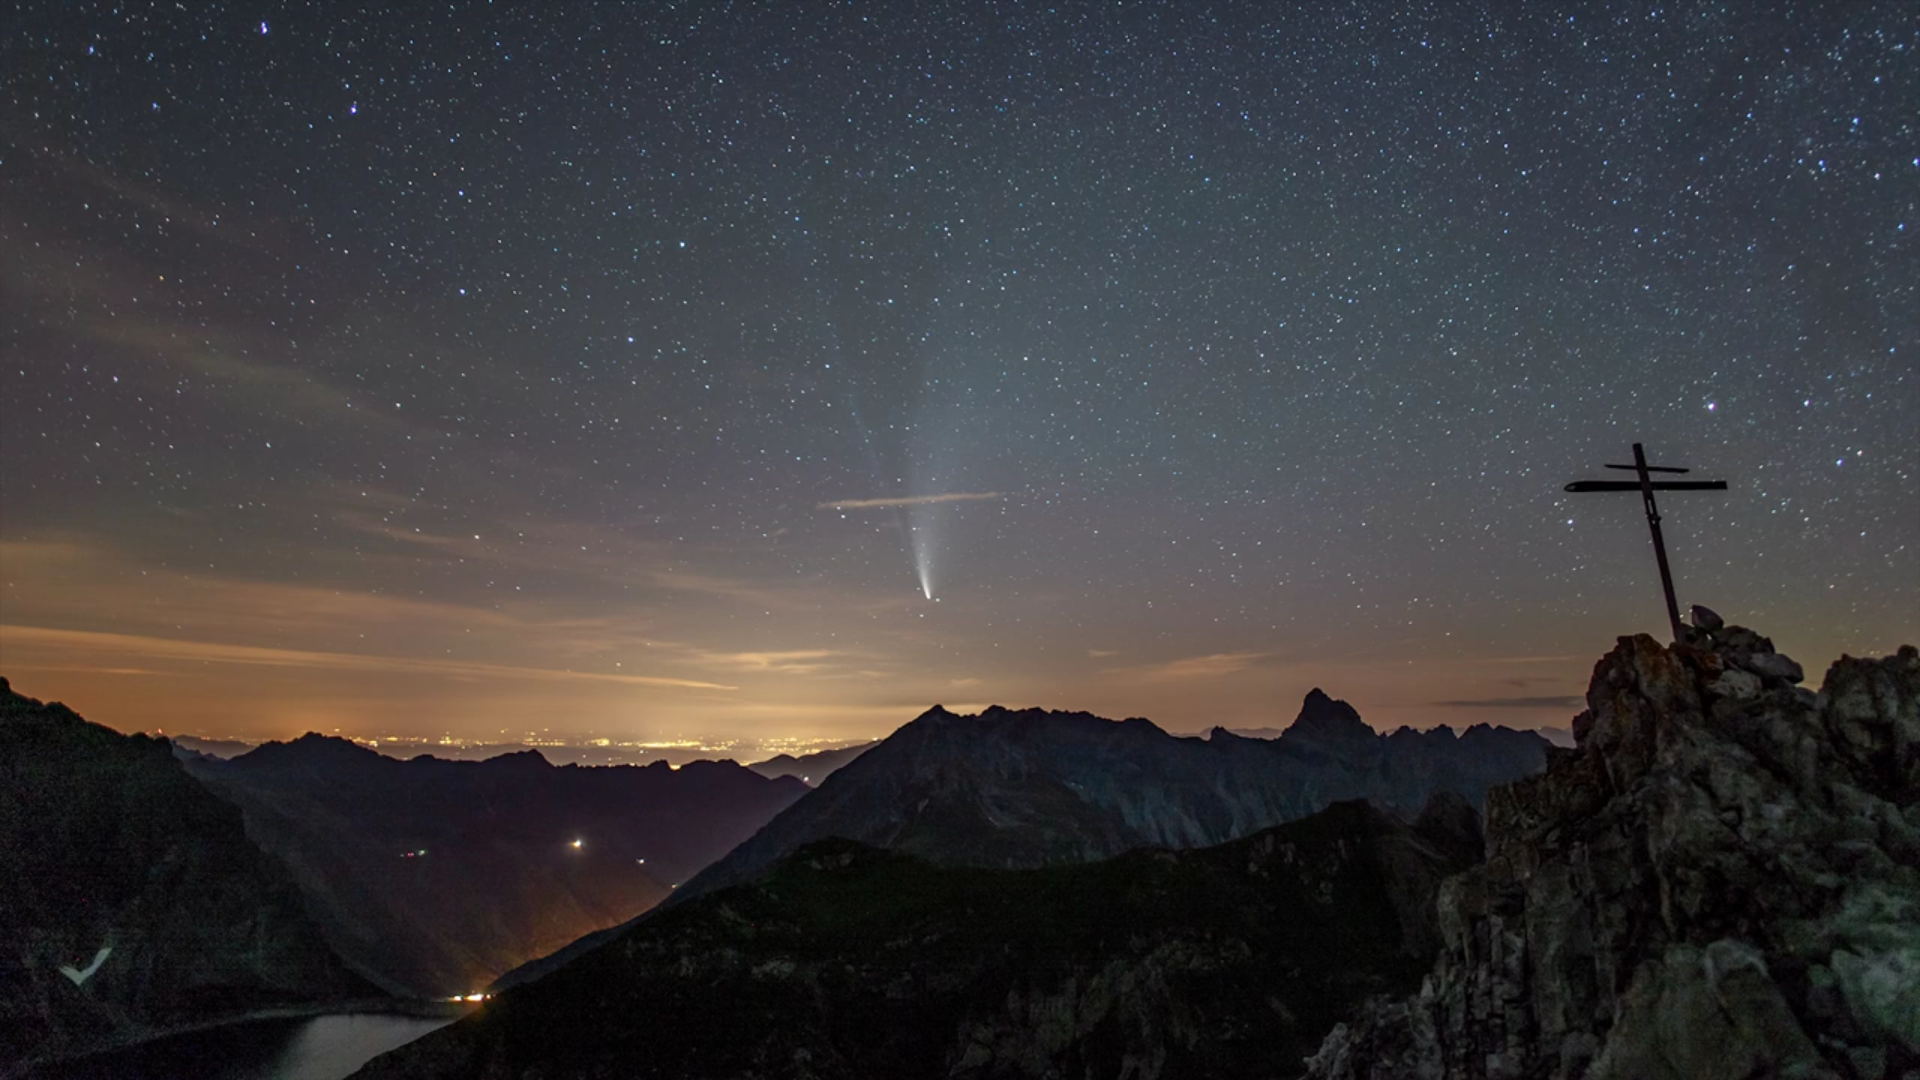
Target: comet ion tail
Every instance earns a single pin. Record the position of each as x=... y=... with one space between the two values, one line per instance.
x=920 y=535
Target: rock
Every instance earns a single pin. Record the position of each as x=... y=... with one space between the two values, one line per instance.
x=1705 y=618
x=1722 y=880
x=1773 y=666
x=1734 y=683
x=1707 y=1014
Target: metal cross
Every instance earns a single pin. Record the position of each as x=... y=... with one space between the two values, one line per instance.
x=1646 y=486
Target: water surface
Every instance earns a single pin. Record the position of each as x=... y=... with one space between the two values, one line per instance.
x=305 y=1048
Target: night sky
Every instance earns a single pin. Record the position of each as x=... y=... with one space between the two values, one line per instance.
x=642 y=370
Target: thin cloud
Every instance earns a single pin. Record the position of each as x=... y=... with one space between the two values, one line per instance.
x=1563 y=701
x=1211 y=666
x=784 y=662
x=254 y=655
x=910 y=500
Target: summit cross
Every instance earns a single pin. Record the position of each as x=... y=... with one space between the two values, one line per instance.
x=1646 y=486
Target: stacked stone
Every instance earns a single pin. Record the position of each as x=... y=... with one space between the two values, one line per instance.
x=1722 y=880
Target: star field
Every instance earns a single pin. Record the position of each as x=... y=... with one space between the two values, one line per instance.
x=430 y=367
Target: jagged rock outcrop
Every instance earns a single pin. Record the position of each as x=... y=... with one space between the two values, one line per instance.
x=1722 y=880
x=851 y=962
x=130 y=898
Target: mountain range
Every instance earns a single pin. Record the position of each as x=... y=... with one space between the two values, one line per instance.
x=1022 y=788
x=1718 y=882
x=433 y=877
x=1028 y=788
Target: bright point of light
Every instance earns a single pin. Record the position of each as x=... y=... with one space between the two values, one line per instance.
x=576 y=845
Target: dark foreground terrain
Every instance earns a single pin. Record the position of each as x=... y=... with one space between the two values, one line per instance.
x=848 y=961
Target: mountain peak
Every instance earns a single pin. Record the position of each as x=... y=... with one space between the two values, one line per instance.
x=1328 y=721
x=311 y=747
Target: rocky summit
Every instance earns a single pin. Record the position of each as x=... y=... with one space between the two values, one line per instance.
x=1722 y=880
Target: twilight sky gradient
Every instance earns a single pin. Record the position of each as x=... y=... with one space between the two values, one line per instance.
x=641 y=370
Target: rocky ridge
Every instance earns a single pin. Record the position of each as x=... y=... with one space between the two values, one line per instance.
x=1721 y=880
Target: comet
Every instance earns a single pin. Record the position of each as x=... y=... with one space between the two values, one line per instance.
x=921 y=536
x=919 y=511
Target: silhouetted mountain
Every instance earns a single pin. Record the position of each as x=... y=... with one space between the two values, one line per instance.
x=1721 y=882
x=1033 y=788
x=436 y=876
x=852 y=962
x=811 y=768
x=1254 y=732
x=131 y=899
x=216 y=748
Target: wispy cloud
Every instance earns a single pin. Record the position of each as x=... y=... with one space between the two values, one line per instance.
x=1563 y=701
x=88 y=641
x=1101 y=654
x=1211 y=666
x=783 y=662
x=909 y=500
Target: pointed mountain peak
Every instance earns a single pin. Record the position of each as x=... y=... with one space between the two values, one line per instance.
x=1327 y=720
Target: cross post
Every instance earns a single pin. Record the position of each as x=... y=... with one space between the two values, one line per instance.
x=1646 y=486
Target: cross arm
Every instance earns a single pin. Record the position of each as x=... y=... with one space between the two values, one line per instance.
x=1658 y=485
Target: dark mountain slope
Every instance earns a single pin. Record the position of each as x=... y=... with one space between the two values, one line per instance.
x=849 y=961
x=121 y=868
x=436 y=876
